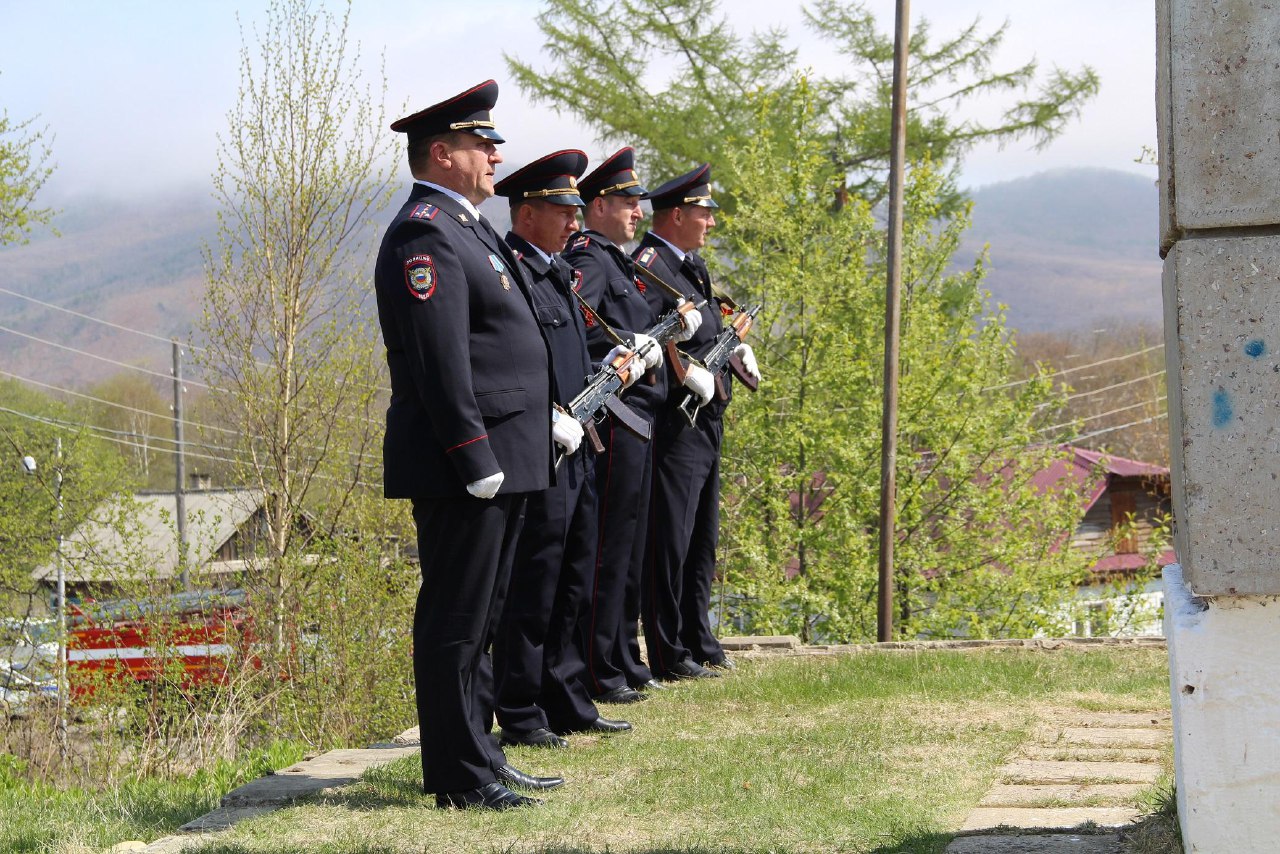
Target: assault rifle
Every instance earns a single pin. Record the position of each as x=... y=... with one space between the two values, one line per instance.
x=602 y=389
x=719 y=355
x=601 y=393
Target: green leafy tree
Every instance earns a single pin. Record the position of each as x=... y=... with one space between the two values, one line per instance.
x=604 y=52
x=24 y=168
x=979 y=542
x=30 y=517
x=304 y=165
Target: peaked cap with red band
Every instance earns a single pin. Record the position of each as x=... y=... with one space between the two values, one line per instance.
x=553 y=178
x=467 y=112
x=691 y=188
x=615 y=176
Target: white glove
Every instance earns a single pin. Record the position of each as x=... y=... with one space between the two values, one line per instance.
x=486 y=487
x=691 y=319
x=699 y=381
x=652 y=357
x=748 y=357
x=566 y=431
x=634 y=369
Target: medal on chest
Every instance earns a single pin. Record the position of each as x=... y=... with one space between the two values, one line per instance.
x=501 y=269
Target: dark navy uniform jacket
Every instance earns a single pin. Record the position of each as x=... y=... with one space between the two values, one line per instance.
x=690 y=277
x=609 y=286
x=470 y=385
x=559 y=314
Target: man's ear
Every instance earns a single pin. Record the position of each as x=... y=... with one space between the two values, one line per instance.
x=442 y=154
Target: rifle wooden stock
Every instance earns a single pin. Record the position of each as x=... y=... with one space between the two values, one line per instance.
x=678 y=367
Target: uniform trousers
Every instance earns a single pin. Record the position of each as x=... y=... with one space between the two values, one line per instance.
x=466 y=546
x=684 y=528
x=609 y=632
x=538 y=668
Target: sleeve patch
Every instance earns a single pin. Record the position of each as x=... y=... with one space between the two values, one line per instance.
x=577 y=280
x=427 y=212
x=420 y=276
x=646 y=257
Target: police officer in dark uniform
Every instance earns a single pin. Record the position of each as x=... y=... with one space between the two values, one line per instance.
x=612 y=193
x=685 y=510
x=469 y=433
x=537 y=666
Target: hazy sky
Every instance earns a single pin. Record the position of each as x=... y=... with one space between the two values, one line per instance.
x=135 y=91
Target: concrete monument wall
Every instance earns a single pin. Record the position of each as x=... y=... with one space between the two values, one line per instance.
x=1218 y=110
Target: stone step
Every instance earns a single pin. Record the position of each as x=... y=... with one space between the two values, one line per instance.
x=335 y=768
x=1049 y=843
x=1069 y=753
x=1109 y=737
x=1038 y=795
x=1138 y=720
x=1041 y=771
x=1058 y=818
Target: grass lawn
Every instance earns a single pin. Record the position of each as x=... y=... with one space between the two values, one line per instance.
x=879 y=752
x=45 y=818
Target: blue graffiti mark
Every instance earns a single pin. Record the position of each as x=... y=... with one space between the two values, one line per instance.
x=1255 y=348
x=1221 y=408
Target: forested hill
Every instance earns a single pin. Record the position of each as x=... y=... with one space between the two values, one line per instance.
x=1072 y=249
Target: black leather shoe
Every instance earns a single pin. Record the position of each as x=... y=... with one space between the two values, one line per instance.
x=650 y=685
x=689 y=669
x=540 y=737
x=725 y=663
x=600 y=726
x=493 y=796
x=517 y=779
x=621 y=694
x=604 y=725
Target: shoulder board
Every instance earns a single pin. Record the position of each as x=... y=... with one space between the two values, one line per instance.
x=581 y=243
x=646 y=256
x=424 y=211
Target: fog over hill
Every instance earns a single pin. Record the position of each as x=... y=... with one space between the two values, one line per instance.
x=1070 y=250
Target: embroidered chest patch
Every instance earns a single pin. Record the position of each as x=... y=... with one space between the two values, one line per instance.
x=420 y=276
x=646 y=257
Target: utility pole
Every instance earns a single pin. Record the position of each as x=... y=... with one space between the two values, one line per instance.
x=180 y=468
x=61 y=575
x=892 y=312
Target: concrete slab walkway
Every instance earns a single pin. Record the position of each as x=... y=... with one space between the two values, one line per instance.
x=1069 y=788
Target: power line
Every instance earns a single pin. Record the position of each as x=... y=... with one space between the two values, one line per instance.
x=1114 y=386
x=1066 y=371
x=93 y=319
x=103 y=358
x=90 y=397
x=1156 y=402
x=98 y=431
x=1118 y=427
x=153 y=336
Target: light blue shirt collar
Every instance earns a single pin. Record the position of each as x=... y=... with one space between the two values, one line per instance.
x=680 y=253
x=462 y=200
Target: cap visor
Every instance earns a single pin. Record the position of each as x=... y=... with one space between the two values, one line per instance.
x=488 y=133
x=705 y=203
x=634 y=191
x=576 y=201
